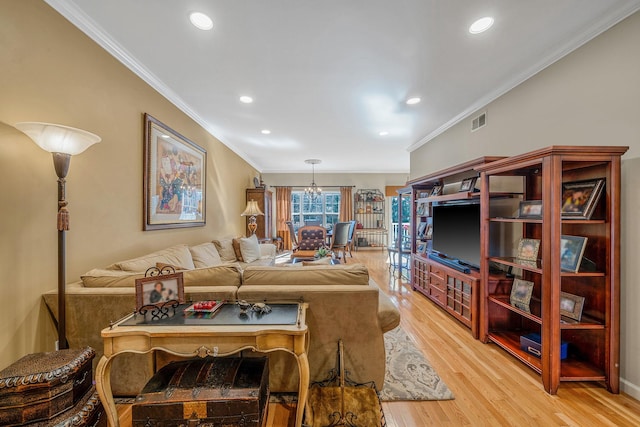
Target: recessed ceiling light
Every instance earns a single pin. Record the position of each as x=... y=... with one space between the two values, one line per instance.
x=413 y=101
x=246 y=99
x=383 y=133
x=201 y=21
x=265 y=131
x=481 y=25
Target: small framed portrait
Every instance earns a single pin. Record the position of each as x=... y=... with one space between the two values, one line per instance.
x=423 y=209
x=521 y=292
x=421 y=248
x=157 y=290
x=428 y=234
x=530 y=209
x=579 y=199
x=528 y=249
x=468 y=184
x=571 y=252
x=571 y=306
x=422 y=228
x=436 y=190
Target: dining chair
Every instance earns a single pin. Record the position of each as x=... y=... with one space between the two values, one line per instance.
x=340 y=239
x=352 y=230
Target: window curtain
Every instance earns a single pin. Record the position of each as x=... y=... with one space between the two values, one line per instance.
x=346 y=204
x=283 y=214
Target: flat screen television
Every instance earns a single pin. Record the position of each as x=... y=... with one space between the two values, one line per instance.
x=456 y=232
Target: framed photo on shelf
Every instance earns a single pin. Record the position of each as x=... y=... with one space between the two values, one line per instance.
x=571 y=306
x=571 y=252
x=436 y=190
x=528 y=250
x=428 y=234
x=530 y=209
x=468 y=184
x=422 y=227
x=421 y=248
x=157 y=290
x=174 y=178
x=580 y=198
x=521 y=292
x=423 y=209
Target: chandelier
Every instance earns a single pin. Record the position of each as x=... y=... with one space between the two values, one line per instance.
x=313 y=191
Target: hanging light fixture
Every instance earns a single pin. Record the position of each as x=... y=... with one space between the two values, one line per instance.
x=313 y=191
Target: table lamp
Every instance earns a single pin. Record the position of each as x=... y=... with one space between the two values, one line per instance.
x=63 y=142
x=251 y=211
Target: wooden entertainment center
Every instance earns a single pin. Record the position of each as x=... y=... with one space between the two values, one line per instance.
x=582 y=347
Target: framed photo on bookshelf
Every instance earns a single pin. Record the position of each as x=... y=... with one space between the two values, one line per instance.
x=423 y=209
x=580 y=198
x=571 y=252
x=428 y=234
x=571 y=306
x=530 y=209
x=436 y=190
x=468 y=184
x=528 y=249
x=521 y=292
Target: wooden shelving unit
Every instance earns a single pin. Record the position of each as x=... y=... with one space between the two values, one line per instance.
x=369 y=213
x=593 y=342
x=263 y=197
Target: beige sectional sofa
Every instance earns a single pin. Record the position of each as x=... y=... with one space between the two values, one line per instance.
x=344 y=303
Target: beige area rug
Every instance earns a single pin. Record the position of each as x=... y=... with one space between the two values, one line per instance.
x=409 y=374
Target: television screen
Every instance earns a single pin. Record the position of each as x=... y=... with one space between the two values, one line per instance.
x=456 y=232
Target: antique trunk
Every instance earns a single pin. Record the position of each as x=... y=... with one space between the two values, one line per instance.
x=87 y=412
x=223 y=391
x=42 y=385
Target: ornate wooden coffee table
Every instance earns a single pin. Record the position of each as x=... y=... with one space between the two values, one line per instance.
x=226 y=333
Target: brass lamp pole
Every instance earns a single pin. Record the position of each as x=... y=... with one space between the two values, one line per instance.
x=62 y=142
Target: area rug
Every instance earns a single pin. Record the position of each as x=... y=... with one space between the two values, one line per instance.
x=409 y=375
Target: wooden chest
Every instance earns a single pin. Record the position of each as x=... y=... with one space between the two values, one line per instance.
x=42 y=385
x=87 y=412
x=225 y=391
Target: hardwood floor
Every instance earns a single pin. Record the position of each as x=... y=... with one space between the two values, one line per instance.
x=491 y=388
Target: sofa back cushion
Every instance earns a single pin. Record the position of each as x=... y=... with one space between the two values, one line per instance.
x=178 y=255
x=102 y=278
x=205 y=255
x=322 y=275
x=249 y=248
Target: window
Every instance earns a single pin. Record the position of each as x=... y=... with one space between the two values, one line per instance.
x=323 y=210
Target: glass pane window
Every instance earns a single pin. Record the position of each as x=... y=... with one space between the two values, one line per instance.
x=321 y=210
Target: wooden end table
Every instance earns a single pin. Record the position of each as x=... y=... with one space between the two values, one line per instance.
x=224 y=334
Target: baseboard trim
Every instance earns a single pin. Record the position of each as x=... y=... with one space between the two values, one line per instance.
x=629 y=388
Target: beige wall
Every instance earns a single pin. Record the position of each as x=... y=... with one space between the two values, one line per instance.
x=591 y=97
x=50 y=71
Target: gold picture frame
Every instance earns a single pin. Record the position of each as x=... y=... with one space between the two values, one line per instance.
x=174 y=178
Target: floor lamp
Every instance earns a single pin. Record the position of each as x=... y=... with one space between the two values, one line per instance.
x=63 y=142
x=251 y=211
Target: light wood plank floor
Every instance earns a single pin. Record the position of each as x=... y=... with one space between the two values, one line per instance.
x=491 y=388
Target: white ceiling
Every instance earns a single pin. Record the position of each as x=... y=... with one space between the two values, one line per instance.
x=328 y=75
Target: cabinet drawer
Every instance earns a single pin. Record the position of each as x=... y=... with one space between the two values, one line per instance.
x=438 y=272
x=438 y=283
x=437 y=295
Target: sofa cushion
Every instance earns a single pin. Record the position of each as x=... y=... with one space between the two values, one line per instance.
x=102 y=278
x=322 y=275
x=236 y=249
x=225 y=249
x=219 y=275
x=205 y=255
x=249 y=248
x=321 y=261
x=175 y=255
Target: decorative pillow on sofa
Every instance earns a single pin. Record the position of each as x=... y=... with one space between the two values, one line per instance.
x=249 y=248
x=236 y=249
x=205 y=255
x=175 y=255
x=225 y=249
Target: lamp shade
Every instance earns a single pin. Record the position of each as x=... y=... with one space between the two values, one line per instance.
x=58 y=138
x=252 y=209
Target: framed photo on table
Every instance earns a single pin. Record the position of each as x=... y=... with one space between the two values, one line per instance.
x=158 y=290
x=174 y=178
x=580 y=198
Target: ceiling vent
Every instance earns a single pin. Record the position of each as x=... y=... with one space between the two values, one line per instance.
x=479 y=121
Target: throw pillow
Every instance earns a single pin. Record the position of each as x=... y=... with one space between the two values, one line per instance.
x=175 y=255
x=205 y=255
x=225 y=249
x=249 y=248
x=236 y=248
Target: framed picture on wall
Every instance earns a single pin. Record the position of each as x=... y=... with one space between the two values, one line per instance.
x=174 y=178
